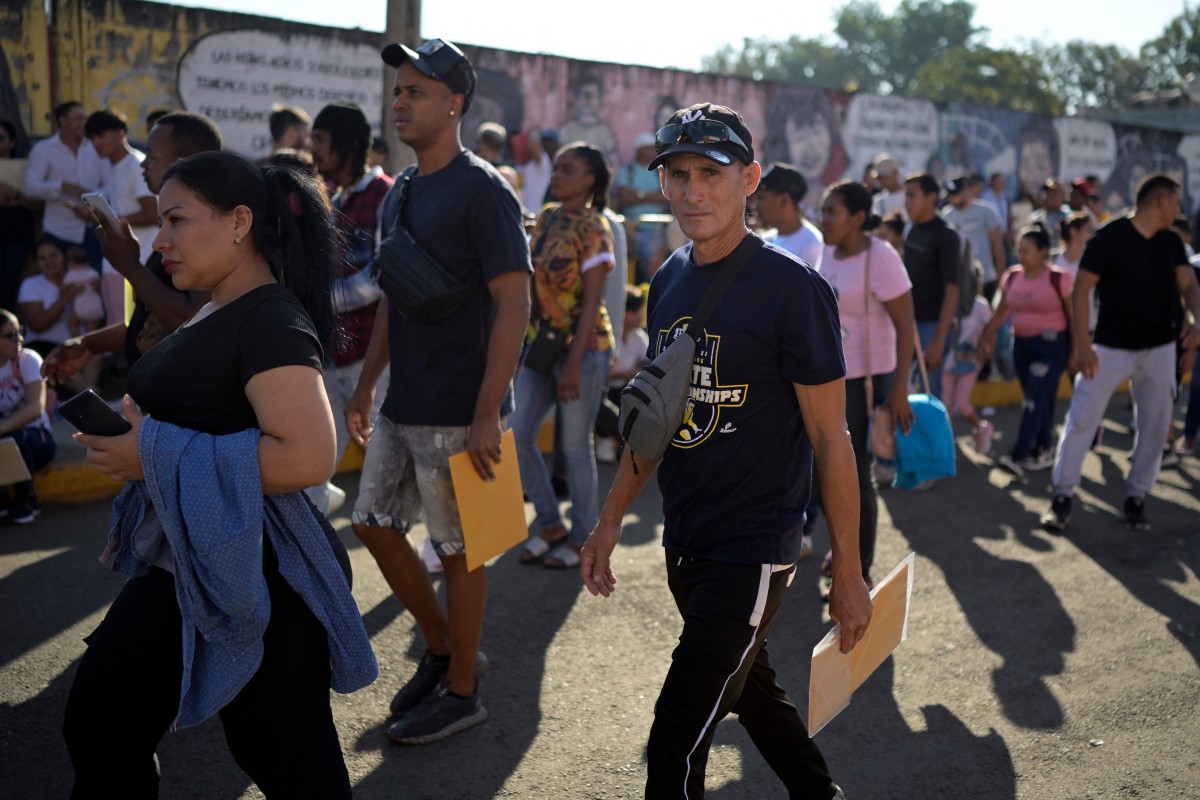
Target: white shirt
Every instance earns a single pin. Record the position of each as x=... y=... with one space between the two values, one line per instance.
x=889 y=203
x=51 y=163
x=125 y=188
x=805 y=242
x=24 y=369
x=37 y=289
x=535 y=180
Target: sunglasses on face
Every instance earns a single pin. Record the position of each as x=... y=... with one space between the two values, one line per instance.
x=701 y=131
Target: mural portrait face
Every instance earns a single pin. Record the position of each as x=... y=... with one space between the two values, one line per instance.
x=1036 y=165
x=809 y=143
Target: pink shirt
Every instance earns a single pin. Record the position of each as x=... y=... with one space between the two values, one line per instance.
x=1034 y=305
x=889 y=280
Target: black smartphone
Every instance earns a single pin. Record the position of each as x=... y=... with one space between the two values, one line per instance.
x=91 y=415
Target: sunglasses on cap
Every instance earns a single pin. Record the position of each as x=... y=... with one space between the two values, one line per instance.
x=700 y=131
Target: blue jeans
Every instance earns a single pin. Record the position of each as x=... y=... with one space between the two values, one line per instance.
x=1040 y=361
x=926 y=331
x=535 y=396
x=1191 y=422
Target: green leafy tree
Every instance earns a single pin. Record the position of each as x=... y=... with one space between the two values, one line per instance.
x=874 y=53
x=1175 y=55
x=890 y=50
x=984 y=77
x=1092 y=76
x=811 y=62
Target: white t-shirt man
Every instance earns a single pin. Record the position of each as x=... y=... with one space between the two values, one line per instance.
x=888 y=203
x=976 y=222
x=805 y=242
x=124 y=190
x=51 y=164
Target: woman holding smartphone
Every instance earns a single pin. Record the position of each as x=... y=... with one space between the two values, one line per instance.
x=239 y=600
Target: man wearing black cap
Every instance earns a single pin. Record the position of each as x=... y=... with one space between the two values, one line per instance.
x=341 y=136
x=777 y=204
x=768 y=400
x=450 y=388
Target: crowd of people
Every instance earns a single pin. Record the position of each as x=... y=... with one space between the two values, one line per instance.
x=271 y=323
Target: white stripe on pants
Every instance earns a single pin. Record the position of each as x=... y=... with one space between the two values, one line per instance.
x=1153 y=375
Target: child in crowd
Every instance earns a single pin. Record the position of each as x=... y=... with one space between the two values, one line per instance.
x=962 y=370
x=891 y=230
x=87 y=309
x=630 y=356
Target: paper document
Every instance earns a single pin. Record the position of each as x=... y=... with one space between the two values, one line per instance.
x=492 y=512
x=835 y=676
x=12 y=466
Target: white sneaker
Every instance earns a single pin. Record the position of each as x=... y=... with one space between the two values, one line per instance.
x=806 y=546
x=606 y=450
x=1043 y=460
x=335 y=498
x=430 y=557
x=1010 y=465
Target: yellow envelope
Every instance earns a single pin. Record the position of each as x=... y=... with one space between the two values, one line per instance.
x=492 y=512
x=835 y=675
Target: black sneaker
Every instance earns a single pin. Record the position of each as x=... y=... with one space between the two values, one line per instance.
x=430 y=672
x=1060 y=511
x=437 y=716
x=24 y=511
x=1135 y=514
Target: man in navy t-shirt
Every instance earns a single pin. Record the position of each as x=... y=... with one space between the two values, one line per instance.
x=450 y=386
x=767 y=399
x=1140 y=270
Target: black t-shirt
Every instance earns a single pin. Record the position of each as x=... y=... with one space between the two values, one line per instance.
x=736 y=479
x=1137 y=291
x=137 y=319
x=931 y=253
x=467 y=217
x=196 y=377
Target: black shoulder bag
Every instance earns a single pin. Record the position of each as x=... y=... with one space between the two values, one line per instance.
x=415 y=283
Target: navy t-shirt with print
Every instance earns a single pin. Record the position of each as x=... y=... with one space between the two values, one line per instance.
x=467 y=217
x=737 y=477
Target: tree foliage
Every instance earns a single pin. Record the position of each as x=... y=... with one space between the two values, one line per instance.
x=933 y=49
x=986 y=77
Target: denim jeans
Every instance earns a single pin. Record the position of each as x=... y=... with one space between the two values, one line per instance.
x=1040 y=361
x=535 y=396
x=1191 y=422
x=927 y=330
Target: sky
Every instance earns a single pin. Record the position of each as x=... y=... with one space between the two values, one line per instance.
x=627 y=32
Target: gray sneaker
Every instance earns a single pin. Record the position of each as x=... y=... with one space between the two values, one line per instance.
x=437 y=716
x=430 y=671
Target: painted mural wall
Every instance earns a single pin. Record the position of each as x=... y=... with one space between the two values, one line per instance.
x=137 y=56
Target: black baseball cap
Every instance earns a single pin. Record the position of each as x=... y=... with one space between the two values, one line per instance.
x=440 y=60
x=785 y=179
x=739 y=148
x=955 y=185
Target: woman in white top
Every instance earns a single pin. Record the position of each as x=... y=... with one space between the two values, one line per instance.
x=1075 y=230
x=44 y=303
x=22 y=415
x=875 y=304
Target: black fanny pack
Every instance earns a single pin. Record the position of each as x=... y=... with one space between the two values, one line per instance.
x=415 y=283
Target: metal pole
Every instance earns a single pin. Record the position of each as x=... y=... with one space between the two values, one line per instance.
x=403 y=26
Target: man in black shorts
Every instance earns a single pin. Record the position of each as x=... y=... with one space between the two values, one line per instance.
x=451 y=383
x=768 y=392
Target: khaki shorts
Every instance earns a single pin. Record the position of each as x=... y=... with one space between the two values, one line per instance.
x=407 y=470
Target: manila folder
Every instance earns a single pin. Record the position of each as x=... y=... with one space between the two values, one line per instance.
x=492 y=512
